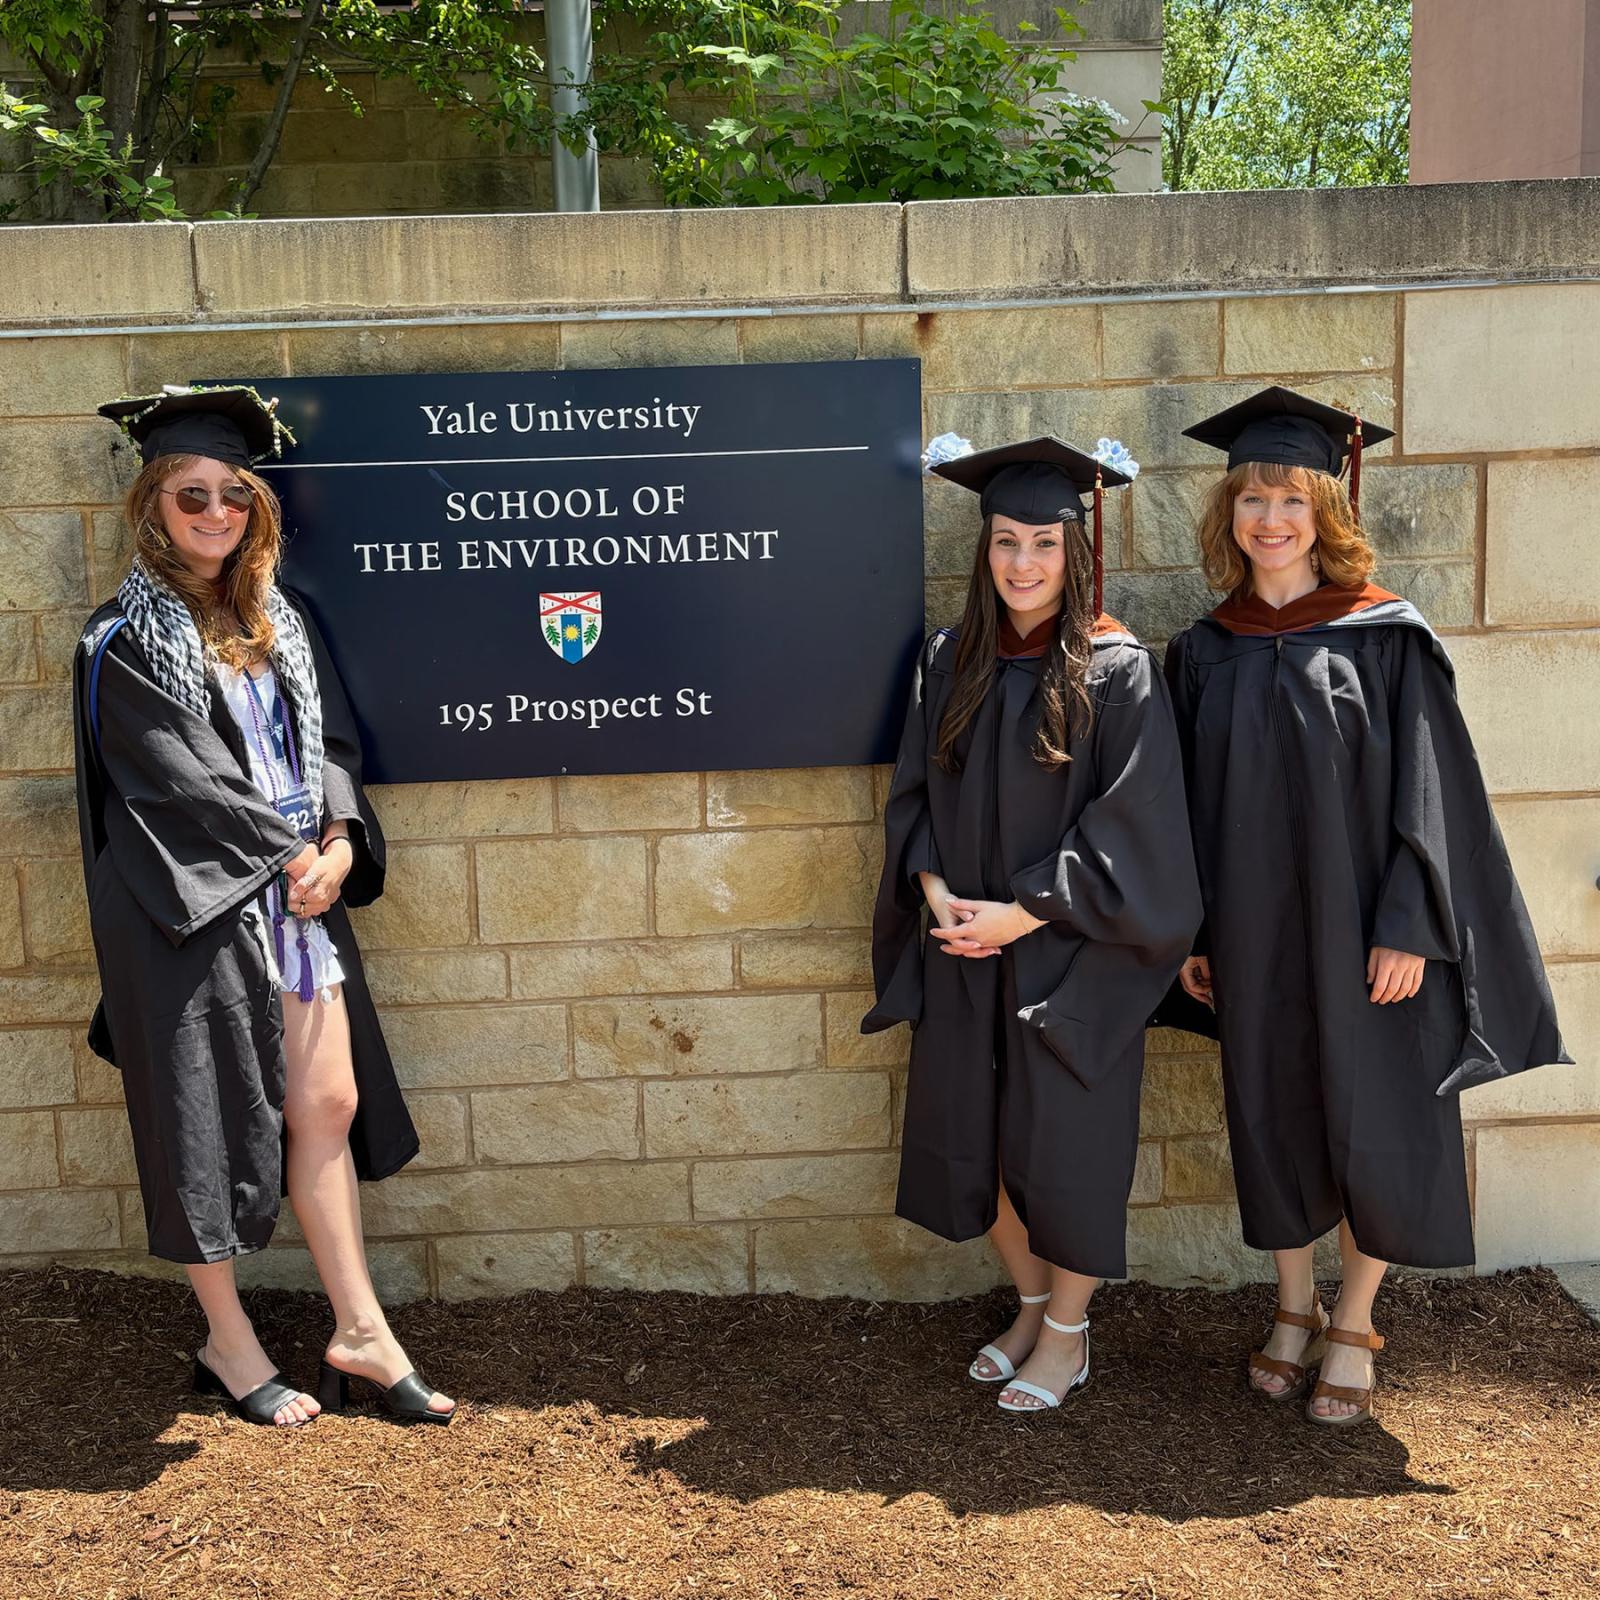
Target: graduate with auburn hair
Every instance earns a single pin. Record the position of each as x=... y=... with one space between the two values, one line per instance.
x=1037 y=815
x=1366 y=950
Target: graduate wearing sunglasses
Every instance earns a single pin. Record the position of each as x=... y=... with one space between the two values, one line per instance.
x=224 y=831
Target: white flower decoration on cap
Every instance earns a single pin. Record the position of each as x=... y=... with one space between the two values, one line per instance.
x=1114 y=454
x=947 y=447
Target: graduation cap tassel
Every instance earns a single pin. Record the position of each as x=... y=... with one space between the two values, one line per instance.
x=1355 y=470
x=1099 y=549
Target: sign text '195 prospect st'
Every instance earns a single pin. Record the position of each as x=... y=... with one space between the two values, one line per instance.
x=617 y=571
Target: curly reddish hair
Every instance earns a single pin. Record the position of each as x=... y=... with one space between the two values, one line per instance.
x=1343 y=551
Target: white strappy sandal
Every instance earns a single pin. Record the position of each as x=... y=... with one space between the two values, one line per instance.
x=1001 y=1360
x=1048 y=1398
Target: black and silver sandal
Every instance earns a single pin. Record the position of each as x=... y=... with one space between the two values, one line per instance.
x=406 y=1399
x=261 y=1405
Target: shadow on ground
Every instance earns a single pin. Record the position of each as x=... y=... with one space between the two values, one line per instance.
x=749 y=1397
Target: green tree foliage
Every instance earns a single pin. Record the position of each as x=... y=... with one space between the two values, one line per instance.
x=114 y=98
x=729 y=102
x=937 y=104
x=1270 y=94
x=86 y=159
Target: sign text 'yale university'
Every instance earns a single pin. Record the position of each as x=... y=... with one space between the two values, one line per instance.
x=617 y=571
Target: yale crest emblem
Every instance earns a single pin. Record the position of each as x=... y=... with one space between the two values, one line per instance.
x=570 y=623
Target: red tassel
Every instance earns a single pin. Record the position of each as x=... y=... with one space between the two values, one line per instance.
x=1099 y=555
x=1355 y=471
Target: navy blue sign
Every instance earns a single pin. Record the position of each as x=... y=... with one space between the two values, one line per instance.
x=642 y=571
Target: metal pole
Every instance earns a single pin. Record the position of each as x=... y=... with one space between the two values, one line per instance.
x=569 y=53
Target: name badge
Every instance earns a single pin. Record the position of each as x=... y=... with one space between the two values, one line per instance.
x=295 y=809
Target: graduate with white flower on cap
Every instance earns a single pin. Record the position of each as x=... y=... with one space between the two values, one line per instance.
x=1037 y=815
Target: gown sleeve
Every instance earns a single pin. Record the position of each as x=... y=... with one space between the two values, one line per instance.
x=1123 y=878
x=909 y=849
x=1181 y=688
x=189 y=833
x=1415 y=896
x=1177 y=1008
x=343 y=798
x=1124 y=873
x=1450 y=893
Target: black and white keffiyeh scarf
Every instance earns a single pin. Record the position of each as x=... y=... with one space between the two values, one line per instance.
x=171 y=642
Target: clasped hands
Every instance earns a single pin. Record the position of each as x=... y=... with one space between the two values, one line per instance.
x=973 y=928
x=1393 y=974
x=315 y=875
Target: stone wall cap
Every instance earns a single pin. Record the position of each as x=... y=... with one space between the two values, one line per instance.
x=1226 y=240
x=743 y=261
x=76 y=271
x=551 y=260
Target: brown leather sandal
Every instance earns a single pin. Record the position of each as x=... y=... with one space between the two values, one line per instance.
x=1295 y=1374
x=1340 y=1391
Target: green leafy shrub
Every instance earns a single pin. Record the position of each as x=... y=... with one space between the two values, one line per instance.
x=88 y=157
x=936 y=106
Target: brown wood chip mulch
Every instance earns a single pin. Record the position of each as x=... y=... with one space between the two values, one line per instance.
x=633 y=1445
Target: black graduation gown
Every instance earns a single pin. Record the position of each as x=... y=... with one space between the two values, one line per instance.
x=1034 y=1058
x=178 y=845
x=1336 y=804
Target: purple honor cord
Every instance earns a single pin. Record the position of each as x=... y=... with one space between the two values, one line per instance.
x=286 y=751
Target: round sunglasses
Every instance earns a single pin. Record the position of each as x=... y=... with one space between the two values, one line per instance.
x=192 y=500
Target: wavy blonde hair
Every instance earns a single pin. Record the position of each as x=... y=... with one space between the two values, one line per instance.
x=230 y=614
x=1342 y=550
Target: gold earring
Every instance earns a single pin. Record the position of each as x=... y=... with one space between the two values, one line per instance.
x=1316 y=562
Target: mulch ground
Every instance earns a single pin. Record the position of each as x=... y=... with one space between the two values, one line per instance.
x=633 y=1445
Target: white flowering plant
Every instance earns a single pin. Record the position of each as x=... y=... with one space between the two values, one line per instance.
x=1093 y=102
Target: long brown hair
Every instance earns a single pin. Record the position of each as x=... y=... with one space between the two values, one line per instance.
x=1065 y=709
x=230 y=614
x=1342 y=550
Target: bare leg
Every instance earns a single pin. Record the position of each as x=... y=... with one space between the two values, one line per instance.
x=319 y=1104
x=1297 y=1288
x=1347 y=1365
x=1058 y=1357
x=232 y=1350
x=1031 y=1276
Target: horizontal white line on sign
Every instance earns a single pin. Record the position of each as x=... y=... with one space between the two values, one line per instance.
x=507 y=461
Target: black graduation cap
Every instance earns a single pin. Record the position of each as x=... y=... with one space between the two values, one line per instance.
x=1037 y=481
x=1283 y=428
x=229 y=423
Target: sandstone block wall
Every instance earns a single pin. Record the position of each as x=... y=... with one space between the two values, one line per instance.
x=665 y=1087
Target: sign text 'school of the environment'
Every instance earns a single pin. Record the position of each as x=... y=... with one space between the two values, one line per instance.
x=663 y=570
